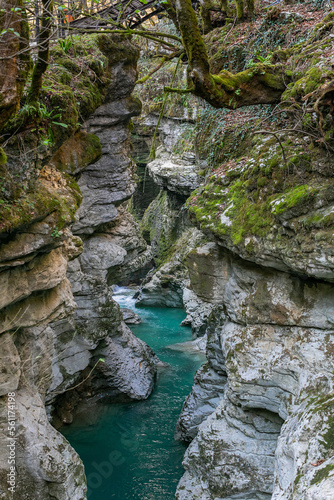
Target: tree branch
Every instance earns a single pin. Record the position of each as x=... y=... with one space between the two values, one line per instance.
x=43 y=54
x=156 y=68
x=178 y=91
x=262 y=84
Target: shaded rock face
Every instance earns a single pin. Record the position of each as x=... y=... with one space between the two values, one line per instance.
x=58 y=322
x=98 y=343
x=35 y=292
x=167 y=286
x=109 y=181
x=166 y=227
x=164 y=224
x=269 y=377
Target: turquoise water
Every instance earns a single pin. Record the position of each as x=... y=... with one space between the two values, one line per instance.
x=128 y=449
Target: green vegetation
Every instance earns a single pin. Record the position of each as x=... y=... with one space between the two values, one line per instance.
x=247 y=197
x=329 y=436
x=296 y=196
x=39 y=203
x=322 y=474
x=74 y=85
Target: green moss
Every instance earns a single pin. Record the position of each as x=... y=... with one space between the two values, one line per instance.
x=298 y=478
x=230 y=212
x=328 y=437
x=3 y=157
x=74 y=85
x=68 y=63
x=322 y=474
x=307 y=84
x=76 y=82
x=293 y=198
x=243 y=197
x=38 y=204
x=116 y=48
x=274 y=80
x=327 y=20
x=77 y=152
x=319 y=219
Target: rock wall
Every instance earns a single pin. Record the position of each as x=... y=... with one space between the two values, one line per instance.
x=59 y=324
x=269 y=373
x=35 y=292
x=112 y=247
x=259 y=280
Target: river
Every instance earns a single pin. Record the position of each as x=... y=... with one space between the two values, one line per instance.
x=128 y=449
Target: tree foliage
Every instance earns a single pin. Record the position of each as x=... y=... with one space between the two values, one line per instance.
x=262 y=84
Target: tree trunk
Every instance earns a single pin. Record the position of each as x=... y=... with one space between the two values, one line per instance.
x=14 y=57
x=262 y=84
x=251 y=8
x=43 y=54
x=240 y=8
x=205 y=16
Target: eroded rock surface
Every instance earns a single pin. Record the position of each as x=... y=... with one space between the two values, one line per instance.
x=174 y=174
x=269 y=377
x=59 y=325
x=98 y=341
x=35 y=292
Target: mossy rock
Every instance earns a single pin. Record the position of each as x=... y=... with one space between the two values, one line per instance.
x=249 y=196
x=3 y=157
x=43 y=200
x=322 y=474
x=117 y=48
x=77 y=152
x=309 y=83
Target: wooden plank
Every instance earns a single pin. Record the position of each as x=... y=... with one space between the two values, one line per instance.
x=113 y=12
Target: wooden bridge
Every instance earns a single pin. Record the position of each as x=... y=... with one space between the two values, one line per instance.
x=132 y=13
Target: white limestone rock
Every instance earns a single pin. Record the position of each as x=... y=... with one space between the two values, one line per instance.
x=46 y=465
x=233 y=453
x=174 y=174
x=205 y=395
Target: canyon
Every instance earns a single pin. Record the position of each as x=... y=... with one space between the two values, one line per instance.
x=238 y=238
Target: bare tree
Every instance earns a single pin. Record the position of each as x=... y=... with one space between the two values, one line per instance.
x=14 y=56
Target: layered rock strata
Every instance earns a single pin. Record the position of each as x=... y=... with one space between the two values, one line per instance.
x=260 y=414
x=269 y=372
x=112 y=248
x=35 y=292
x=62 y=335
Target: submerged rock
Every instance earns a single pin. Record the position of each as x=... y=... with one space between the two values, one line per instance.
x=130 y=317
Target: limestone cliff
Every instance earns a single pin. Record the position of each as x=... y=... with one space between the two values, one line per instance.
x=259 y=283
x=59 y=325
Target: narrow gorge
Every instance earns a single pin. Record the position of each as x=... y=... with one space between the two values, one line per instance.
x=144 y=235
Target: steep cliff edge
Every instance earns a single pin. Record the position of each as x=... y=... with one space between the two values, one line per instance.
x=270 y=361
x=60 y=327
x=260 y=414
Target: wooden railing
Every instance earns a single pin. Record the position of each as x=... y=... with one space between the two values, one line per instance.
x=75 y=15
